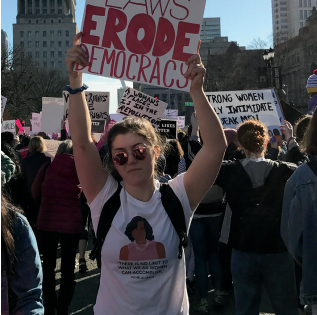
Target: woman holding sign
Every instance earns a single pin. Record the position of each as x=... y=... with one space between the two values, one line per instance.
x=155 y=285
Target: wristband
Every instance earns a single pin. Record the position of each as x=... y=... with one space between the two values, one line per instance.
x=289 y=140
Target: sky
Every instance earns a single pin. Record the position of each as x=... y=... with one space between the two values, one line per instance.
x=241 y=21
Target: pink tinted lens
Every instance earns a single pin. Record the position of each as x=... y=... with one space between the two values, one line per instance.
x=139 y=153
x=120 y=158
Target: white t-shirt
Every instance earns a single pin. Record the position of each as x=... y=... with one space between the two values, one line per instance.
x=148 y=279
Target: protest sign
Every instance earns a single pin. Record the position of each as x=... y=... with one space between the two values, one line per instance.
x=235 y=107
x=3 y=104
x=19 y=125
x=98 y=126
x=27 y=130
x=52 y=114
x=168 y=128
x=138 y=104
x=147 y=41
x=36 y=122
x=51 y=147
x=180 y=122
x=170 y=114
x=9 y=125
x=97 y=102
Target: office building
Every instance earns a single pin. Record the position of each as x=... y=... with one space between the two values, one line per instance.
x=4 y=42
x=45 y=29
x=289 y=16
x=210 y=28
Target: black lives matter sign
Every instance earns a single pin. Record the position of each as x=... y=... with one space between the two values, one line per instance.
x=168 y=128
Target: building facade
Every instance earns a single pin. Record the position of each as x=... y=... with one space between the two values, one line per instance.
x=45 y=29
x=210 y=28
x=4 y=42
x=289 y=17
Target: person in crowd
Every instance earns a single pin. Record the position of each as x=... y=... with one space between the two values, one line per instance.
x=173 y=156
x=134 y=148
x=59 y=220
x=254 y=189
x=21 y=270
x=183 y=140
x=8 y=168
x=24 y=150
x=300 y=127
x=160 y=170
x=299 y=218
x=312 y=90
x=7 y=137
x=43 y=135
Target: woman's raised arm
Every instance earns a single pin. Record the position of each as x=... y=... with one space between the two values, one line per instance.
x=204 y=169
x=91 y=174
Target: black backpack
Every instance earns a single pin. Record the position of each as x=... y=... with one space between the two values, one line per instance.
x=171 y=204
x=313 y=166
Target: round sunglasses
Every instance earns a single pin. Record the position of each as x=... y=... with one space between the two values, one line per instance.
x=121 y=158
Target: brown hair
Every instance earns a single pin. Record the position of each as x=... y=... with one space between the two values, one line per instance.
x=253 y=136
x=37 y=144
x=309 y=143
x=301 y=126
x=138 y=126
x=173 y=156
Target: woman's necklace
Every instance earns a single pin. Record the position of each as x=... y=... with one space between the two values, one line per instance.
x=141 y=248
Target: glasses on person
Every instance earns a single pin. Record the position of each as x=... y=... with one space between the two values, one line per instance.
x=139 y=153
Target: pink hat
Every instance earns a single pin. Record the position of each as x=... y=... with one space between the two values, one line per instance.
x=230 y=134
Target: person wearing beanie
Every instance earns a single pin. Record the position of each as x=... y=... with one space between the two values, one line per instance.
x=312 y=90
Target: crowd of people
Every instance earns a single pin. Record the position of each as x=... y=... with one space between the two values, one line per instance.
x=235 y=204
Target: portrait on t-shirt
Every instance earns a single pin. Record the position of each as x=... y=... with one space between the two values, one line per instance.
x=142 y=246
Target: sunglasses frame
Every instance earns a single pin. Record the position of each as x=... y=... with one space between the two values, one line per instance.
x=126 y=155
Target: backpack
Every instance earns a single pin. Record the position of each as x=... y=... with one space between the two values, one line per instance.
x=313 y=166
x=171 y=204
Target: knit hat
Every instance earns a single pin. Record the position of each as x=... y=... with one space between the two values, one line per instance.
x=312 y=83
x=230 y=134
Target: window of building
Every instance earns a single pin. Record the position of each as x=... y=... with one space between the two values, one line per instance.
x=37 y=11
x=44 y=11
x=300 y=4
x=284 y=26
x=52 y=21
x=29 y=34
x=67 y=33
x=37 y=54
x=44 y=3
x=59 y=44
x=283 y=20
x=52 y=33
x=60 y=11
x=53 y=64
x=37 y=44
x=29 y=44
x=179 y=97
x=212 y=23
x=59 y=21
x=60 y=54
x=301 y=24
x=52 y=3
x=44 y=21
x=52 y=54
x=283 y=3
x=59 y=33
x=283 y=14
x=283 y=9
x=300 y=14
x=29 y=21
x=45 y=64
x=59 y=3
x=22 y=44
x=52 y=44
x=37 y=21
x=305 y=14
x=30 y=11
x=44 y=33
x=305 y=3
x=30 y=54
x=309 y=3
x=60 y=64
x=21 y=33
x=67 y=43
x=37 y=3
x=52 y=12
x=44 y=54
x=44 y=44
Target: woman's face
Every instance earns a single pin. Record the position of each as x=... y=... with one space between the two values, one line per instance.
x=270 y=133
x=139 y=233
x=134 y=172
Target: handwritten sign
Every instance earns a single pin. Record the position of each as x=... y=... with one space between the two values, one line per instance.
x=97 y=102
x=168 y=128
x=141 y=41
x=52 y=114
x=51 y=147
x=98 y=126
x=171 y=114
x=9 y=125
x=180 y=122
x=235 y=107
x=138 y=104
x=3 y=104
x=36 y=122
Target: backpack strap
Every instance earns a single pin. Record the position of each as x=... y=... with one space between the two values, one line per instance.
x=174 y=210
x=313 y=166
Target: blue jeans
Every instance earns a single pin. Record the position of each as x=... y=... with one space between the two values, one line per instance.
x=205 y=233
x=276 y=272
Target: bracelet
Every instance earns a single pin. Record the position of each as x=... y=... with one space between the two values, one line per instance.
x=289 y=140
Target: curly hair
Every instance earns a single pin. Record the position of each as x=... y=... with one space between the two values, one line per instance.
x=253 y=136
x=134 y=225
x=309 y=143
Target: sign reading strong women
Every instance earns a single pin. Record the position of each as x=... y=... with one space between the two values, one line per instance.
x=145 y=41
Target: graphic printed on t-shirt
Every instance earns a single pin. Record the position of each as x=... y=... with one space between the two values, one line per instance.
x=143 y=256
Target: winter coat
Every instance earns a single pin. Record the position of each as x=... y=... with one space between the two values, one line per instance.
x=7 y=168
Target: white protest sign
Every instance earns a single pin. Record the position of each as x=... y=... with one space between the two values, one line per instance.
x=171 y=114
x=51 y=147
x=3 y=104
x=141 y=41
x=180 y=122
x=97 y=102
x=52 y=114
x=235 y=107
x=36 y=122
x=138 y=104
x=9 y=125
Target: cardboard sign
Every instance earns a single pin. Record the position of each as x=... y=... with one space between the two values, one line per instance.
x=98 y=126
x=9 y=125
x=97 y=102
x=27 y=130
x=51 y=147
x=52 y=114
x=141 y=41
x=235 y=107
x=180 y=122
x=3 y=104
x=171 y=114
x=138 y=104
x=36 y=122
x=168 y=128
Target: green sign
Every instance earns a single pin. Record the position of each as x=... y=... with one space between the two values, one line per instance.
x=189 y=104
